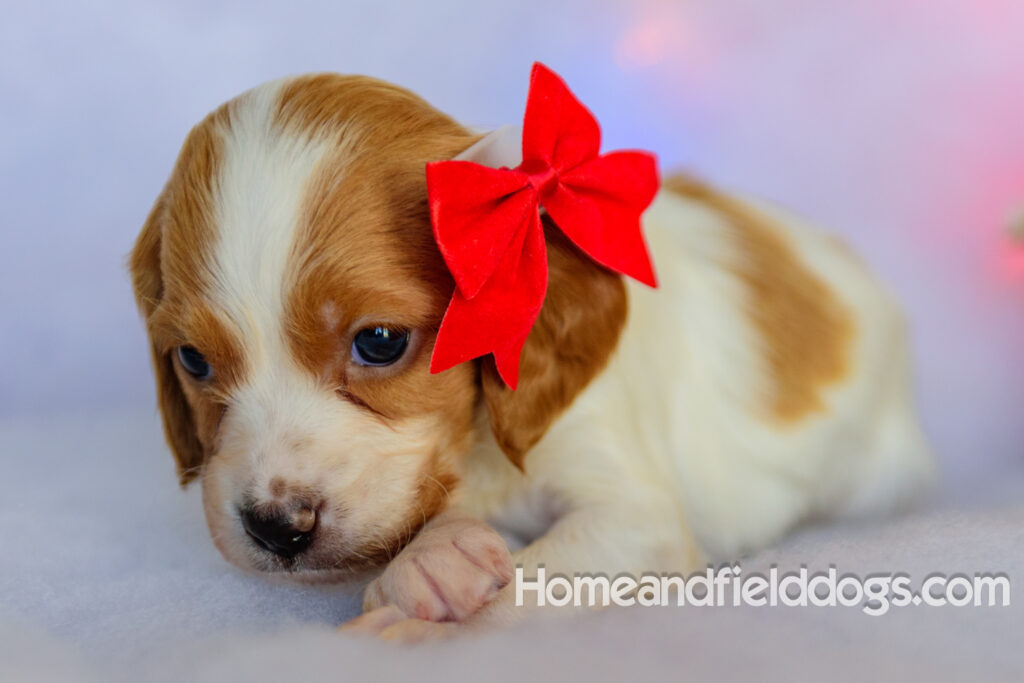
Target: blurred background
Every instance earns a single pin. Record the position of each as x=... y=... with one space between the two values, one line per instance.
x=896 y=123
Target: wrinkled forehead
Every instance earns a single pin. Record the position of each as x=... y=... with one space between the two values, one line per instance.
x=303 y=203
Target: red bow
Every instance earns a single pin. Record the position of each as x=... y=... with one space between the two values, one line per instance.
x=487 y=224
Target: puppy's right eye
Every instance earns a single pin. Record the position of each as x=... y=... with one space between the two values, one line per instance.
x=194 y=363
x=379 y=346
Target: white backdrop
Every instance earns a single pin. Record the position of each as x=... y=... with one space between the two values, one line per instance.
x=897 y=124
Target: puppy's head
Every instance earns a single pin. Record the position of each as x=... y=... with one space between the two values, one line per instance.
x=292 y=290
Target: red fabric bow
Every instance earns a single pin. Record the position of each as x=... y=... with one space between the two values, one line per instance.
x=487 y=224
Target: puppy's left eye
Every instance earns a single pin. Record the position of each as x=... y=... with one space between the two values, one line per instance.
x=379 y=345
x=194 y=363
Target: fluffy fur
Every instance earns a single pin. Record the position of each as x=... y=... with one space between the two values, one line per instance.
x=764 y=383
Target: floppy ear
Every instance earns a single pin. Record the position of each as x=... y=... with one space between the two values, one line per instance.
x=574 y=336
x=179 y=425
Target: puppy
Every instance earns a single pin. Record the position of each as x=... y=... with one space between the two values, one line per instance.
x=292 y=292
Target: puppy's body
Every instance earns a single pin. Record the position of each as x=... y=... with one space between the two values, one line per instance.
x=763 y=383
x=728 y=438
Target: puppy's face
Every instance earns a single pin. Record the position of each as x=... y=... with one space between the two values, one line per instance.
x=292 y=292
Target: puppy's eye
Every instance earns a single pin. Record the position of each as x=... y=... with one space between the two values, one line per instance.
x=379 y=346
x=194 y=363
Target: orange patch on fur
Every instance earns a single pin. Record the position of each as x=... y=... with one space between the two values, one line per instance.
x=364 y=253
x=806 y=330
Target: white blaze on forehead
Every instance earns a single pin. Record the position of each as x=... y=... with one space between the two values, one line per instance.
x=258 y=202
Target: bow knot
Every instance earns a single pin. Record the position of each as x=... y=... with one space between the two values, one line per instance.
x=487 y=224
x=541 y=175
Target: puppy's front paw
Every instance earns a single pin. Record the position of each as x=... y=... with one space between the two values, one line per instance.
x=447 y=573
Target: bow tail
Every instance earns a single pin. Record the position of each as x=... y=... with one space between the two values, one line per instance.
x=499 y=317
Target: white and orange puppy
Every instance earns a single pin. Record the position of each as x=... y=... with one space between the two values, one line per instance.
x=292 y=291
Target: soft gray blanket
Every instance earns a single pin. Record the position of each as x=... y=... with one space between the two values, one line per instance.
x=107 y=573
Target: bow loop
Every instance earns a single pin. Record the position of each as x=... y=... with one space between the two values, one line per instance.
x=476 y=212
x=487 y=224
x=598 y=206
x=557 y=128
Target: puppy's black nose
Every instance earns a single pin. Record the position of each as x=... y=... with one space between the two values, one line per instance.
x=281 y=533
